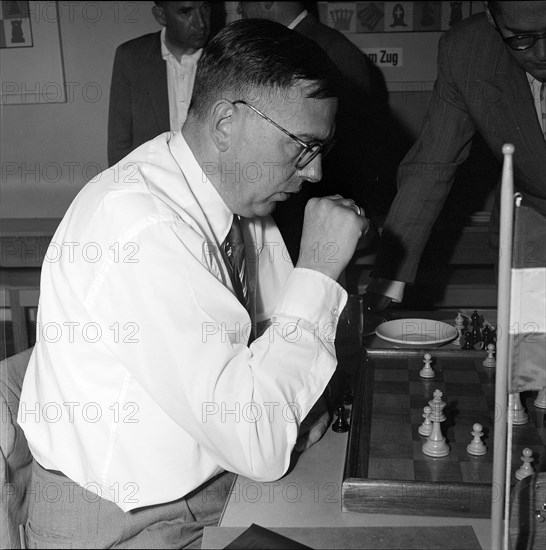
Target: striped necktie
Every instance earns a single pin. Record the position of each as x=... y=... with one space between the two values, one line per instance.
x=234 y=247
x=543 y=107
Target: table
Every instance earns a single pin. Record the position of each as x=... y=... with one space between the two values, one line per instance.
x=309 y=495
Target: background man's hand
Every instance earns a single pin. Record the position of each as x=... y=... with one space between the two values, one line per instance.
x=375 y=302
x=332 y=227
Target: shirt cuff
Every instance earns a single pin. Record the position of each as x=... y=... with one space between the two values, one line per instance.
x=393 y=289
x=313 y=296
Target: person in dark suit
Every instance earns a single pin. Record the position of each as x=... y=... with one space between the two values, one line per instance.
x=491 y=75
x=152 y=78
x=356 y=162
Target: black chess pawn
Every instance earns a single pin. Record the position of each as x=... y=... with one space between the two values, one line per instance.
x=347 y=396
x=340 y=425
x=476 y=333
x=468 y=340
x=487 y=336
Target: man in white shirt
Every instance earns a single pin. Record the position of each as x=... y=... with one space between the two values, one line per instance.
x=365 y=155
x=152 y=78
x=491 y=75
x=153 y=374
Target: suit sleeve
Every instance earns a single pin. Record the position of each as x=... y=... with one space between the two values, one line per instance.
x=426 y=174
x=120 y=117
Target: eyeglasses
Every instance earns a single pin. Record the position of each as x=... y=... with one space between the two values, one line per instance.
x=309 y=150
x=519 y=42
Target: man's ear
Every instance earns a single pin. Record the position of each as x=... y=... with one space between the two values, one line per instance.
x=221 y=124
x=488 y=14
x=157 y=12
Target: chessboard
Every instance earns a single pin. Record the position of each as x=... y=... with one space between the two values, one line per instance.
x=386 y=470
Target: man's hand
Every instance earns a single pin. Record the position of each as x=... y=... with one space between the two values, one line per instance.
x=313 y=426
x=332 y=227
x=375 y=302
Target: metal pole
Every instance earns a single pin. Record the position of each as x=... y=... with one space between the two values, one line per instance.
x=503 y=323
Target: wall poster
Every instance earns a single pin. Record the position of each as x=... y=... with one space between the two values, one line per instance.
x=401 y=38
x=30 y=53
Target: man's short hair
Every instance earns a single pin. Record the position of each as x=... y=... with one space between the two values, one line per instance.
x=255 y=59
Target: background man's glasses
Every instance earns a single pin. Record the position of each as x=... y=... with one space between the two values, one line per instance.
x=519 y=42
x=309 y=150
x=523 y=41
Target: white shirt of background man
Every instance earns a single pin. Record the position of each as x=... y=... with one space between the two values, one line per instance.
x=180 y=77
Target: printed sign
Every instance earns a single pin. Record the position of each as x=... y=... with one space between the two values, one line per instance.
x=385 y=57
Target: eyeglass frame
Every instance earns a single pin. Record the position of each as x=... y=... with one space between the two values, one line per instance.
x=323 y=147
x=508 y=39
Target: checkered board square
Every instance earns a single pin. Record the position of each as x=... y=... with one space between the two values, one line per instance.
x=386 y=469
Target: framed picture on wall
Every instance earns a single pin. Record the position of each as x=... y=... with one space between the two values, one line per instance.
x=401 y=38
x=30 y=53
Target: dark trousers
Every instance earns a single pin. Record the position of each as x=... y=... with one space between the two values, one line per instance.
x=62 y=514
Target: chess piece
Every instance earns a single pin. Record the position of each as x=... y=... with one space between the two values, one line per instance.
x=525 y=469
x=517 y=412
x=476 y=333
x=468 y=341
x=488 y=336
x=540 y=399
x=425 y=428
x=476 y=447
x=456 y=13
x=490 y=361
x=436 y=445
x=427 y=371
x=17 y=35
x=427 y=18
x=459 y=325
x=340 y=425
x=398 y=14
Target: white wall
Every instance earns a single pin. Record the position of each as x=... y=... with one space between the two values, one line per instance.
x=54 y=149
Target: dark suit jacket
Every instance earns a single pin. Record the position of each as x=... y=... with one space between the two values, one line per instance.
x=139 y=100
x=347 y=169
x=479 y=88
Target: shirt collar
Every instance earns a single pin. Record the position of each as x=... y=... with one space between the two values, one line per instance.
x=167 y=54
x=218 y=215
x=533 y=82
x=298 y=19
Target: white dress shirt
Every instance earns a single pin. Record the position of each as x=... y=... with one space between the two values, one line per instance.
x=536 y=86
x=141 y=385
x=180 y=78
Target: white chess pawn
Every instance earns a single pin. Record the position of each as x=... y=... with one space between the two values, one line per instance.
x=517 y=412
x=526 y=469
x=425 y=428
x=540 y=399
x=490 y=361
x=459 y=325
x=476 y=447
x=427 y=371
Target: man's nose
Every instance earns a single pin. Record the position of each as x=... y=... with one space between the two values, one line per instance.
x=200 y=20
x=313 y=171
x=540 y=49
